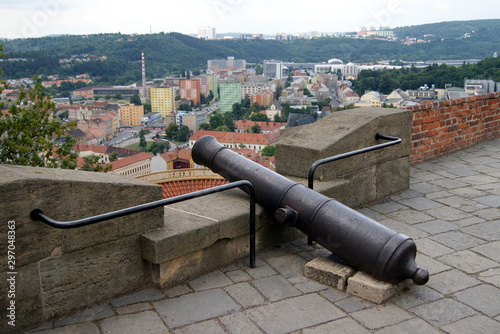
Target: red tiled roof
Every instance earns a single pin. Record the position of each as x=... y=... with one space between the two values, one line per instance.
x=95 y=133
x=106 y=117
x=92 y=148
x=181 y=154
x=238 y=137
x=181 y=187
x=268 y=162
x=78 y=107
x=131 y=160
x=265 y=126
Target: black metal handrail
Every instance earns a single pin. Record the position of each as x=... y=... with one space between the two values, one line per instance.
x=316 y=164
x=37 y=214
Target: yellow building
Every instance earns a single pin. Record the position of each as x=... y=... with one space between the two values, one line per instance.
x=370 y=99
x=131 y=115
x=163 y=100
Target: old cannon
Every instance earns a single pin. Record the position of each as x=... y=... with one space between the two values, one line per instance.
x=354 y=238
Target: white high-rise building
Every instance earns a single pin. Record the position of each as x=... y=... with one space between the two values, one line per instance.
x=274 y=69
x=206 y=33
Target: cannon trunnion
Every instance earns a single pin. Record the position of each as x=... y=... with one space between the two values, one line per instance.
x=356 y=239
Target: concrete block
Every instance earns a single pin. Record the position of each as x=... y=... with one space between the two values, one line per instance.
x=366 y=287
x=328 y=272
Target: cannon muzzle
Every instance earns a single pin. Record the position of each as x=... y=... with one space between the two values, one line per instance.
x=356 y=239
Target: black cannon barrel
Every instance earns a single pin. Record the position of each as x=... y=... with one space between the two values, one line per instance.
x=356 y=239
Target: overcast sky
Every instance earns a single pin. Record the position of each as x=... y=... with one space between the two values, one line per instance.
x=36 y=18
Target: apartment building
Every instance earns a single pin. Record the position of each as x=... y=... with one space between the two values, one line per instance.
x=227 y=64
x=264 y=97
x=193 y=119
x=250 y=88
x=131 y=115
x=274 y=69
x=163 y=100
x=190 y=89
x=230 y=93
x=213 y=83
x=207 y=33
x=204 y=85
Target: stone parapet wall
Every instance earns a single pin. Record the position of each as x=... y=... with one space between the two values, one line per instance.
x=443 y=127
x=61 y=271
x=371 y=176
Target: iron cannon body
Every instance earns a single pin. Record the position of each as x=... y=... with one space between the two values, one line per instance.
x=354 y=238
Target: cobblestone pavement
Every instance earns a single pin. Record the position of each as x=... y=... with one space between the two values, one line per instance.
x=452 y=210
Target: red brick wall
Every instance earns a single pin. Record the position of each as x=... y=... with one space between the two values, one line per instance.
x=443 y=127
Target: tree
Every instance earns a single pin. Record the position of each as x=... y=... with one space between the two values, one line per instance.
x=147 y=106
x=142 y=141
x=171 y=130
x=215 y=121
x=91 y=164
x=259 y=70
x=185 y=107
x=184 y=133
x=204 y=126
x=113 y=156
x=258 y=117
x=118 y=96
x=256 y=128
x=159 y=147
x=31 y=135
x=223 y=128
x=136 y=100
x=269 y=151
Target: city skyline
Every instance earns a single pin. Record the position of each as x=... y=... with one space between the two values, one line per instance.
x=38 y=18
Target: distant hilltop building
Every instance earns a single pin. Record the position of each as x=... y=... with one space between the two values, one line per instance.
x=206 y=33
x=274 y=69
x=381 y=32
x=227 y=64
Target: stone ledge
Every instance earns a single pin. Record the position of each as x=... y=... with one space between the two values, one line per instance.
x=345 y=278
x=199 y=236
x=196 y=224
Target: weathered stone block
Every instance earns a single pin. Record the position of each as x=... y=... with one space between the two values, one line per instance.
x=72 y=280
x=366 y=287
x=182 y=234
x=328 y=272
x=342 y=132
x=392 y=177
x=67 y=195
x=221 y=253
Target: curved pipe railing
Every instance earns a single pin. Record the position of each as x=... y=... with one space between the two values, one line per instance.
x=316 y=164
x=38 y=215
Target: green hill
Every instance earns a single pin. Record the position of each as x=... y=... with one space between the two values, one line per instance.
x=173 y=53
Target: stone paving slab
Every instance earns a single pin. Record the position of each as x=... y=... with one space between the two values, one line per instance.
x=451 y=211
x=144 y=322
x=198 y=306
x=294 y=313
